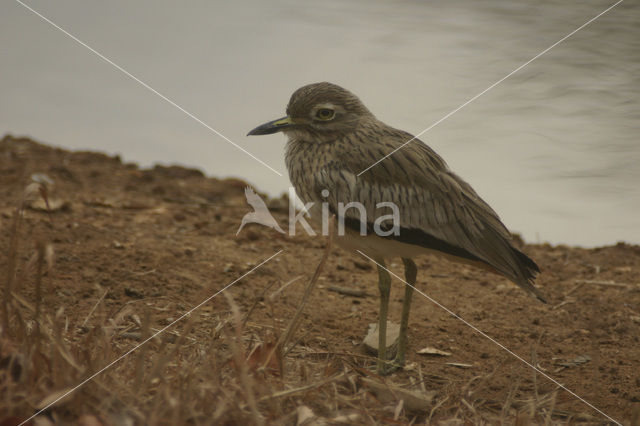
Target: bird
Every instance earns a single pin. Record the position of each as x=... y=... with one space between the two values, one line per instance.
x=260 y=214
x=333 y=141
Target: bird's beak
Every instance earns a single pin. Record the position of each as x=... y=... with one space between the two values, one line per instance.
x=272 y=126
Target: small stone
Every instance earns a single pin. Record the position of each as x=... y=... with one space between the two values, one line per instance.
x=348 y=416
x=131 y=292
x=53 y=205
x=459 y=365
x=433 y=351
x=365 y=266
x=393 y=334
x=305 y=415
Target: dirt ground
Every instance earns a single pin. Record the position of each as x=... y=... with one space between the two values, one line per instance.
x=122 y=252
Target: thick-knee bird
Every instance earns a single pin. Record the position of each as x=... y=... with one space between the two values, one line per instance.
x=408 y=204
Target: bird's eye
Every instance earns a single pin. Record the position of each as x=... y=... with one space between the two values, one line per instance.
x=325 y=114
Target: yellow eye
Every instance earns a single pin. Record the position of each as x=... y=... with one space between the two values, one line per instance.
x=325 y=114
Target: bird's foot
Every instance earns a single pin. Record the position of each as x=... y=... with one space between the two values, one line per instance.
x=384 y=368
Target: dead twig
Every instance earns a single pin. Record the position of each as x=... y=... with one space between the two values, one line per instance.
x=84 y=323
x=574 y=288
x=579 y=360
x=413 y=400
x=255 y=303
x=552 y=398
x=273 y=295
x=509 y=401
x=435 y=407
x=163 y=360
x=295 y=321
x=290 y=392
x=561 y=304
x=607 y=283
x=40 y=247
x=354 y=292
x=141 y=356
x=241 y=363
x=11 y=266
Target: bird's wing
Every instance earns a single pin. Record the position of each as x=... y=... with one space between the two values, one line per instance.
x=249 y=192
x=254 y=199
x=437 y=208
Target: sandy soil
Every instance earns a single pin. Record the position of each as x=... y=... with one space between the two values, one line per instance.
x=125 y=251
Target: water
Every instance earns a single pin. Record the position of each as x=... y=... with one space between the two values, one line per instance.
x=554 y=149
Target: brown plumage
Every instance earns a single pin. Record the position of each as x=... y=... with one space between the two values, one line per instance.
x=439 y=212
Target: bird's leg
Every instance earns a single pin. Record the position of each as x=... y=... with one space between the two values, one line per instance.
x=384 y=284
x=410 y=274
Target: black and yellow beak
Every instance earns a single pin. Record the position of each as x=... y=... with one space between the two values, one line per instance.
x=272 y=127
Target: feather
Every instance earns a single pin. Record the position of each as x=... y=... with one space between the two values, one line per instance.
x=438 y=209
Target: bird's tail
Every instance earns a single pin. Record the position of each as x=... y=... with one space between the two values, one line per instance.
x=511 y=262
x=527 y=271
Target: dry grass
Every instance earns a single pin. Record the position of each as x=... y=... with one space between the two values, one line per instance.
x=208 y=370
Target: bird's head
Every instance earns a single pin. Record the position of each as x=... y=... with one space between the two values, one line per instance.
x=318 y=112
